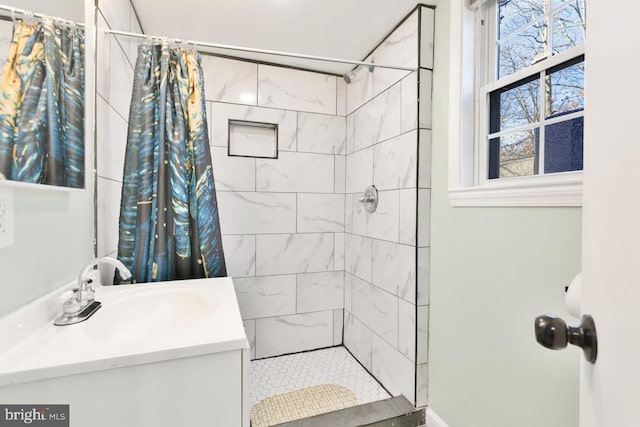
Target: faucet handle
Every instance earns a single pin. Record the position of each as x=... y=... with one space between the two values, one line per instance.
x=72 y=306
x=85 y=295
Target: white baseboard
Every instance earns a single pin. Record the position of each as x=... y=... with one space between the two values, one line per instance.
x=433 y=420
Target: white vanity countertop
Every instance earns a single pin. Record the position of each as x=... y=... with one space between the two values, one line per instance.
x=137 y=324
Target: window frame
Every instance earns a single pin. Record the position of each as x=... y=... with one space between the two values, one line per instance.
x=468 y=114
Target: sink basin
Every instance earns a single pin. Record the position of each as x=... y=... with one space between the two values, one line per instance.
x=154 y=355
x=157 y=321
x=133 y=315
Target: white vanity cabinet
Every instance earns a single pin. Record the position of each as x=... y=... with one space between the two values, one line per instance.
x=155 y=355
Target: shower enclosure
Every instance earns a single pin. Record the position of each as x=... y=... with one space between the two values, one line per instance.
x=292 y=152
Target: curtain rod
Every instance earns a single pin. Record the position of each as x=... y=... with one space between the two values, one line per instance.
x=25 y=12
x=262 y=51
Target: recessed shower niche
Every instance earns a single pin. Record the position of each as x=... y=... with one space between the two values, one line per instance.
x=253 y=139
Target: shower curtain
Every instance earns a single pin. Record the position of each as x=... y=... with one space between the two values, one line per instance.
x=169 y=226
x=42 y=105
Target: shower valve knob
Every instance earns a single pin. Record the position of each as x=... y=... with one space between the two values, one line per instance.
x=366 y=199
x=552 y=332
x=369 y=199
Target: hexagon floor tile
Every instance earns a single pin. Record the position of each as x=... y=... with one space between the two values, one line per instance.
x=276 y=375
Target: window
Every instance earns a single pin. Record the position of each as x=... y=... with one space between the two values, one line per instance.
x=527 y=99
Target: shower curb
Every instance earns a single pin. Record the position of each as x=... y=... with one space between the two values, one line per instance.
x=393 y=412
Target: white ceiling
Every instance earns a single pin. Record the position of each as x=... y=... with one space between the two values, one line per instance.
x=346 y=29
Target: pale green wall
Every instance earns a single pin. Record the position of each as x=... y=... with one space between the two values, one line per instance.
x=493 y=270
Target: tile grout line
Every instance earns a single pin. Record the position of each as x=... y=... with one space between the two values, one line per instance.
x=383 y=339
x=268 y=107
x=112 y=107
x=336 y=96
x=257 y=85
x=398 y=302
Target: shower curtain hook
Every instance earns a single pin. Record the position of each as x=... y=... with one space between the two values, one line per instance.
x=13 y=15
x=73 y=29
x=191 y=45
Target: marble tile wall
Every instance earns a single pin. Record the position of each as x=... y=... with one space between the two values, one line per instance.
x=115 y=63
x=386 y=252
x=282 y=219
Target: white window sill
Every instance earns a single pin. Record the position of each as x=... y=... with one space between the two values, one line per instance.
x=552 y=190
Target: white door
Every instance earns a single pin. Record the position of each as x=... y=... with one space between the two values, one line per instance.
x=610 y=388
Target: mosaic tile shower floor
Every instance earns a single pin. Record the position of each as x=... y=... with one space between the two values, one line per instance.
x=269 y=377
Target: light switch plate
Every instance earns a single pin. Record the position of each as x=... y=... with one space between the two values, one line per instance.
x=7 y=217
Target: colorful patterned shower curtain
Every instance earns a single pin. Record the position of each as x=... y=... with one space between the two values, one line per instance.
x=169 y=226
x=42 y=105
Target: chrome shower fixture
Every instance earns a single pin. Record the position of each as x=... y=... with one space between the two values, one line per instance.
x=369 y=199
x=348 y=77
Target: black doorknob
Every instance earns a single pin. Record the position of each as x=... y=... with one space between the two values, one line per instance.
x=552 y=332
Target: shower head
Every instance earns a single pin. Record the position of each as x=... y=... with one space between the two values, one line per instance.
x=349 y=76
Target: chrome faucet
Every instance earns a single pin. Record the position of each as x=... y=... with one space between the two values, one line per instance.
x=82 y=303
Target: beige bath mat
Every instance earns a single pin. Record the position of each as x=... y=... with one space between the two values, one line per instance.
x=302 y=403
